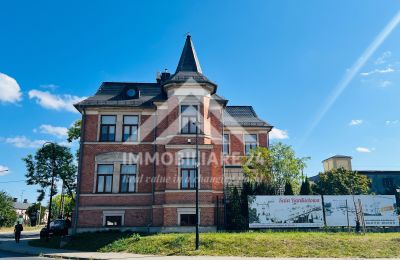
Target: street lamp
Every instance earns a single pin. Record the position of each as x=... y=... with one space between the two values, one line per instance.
x=197 y=124
x=52 y=184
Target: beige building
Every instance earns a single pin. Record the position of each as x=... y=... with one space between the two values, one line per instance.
x=337 y=161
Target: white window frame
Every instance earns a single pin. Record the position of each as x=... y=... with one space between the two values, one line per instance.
x=114 y=214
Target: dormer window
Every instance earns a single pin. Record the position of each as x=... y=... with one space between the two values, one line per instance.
x=132 y=92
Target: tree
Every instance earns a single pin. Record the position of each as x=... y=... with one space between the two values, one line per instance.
x=285 y=165
x=257 y=165
x=32 y=212
x=40 y=169
x=276 y=166
x=69 y=204
x=74 y=132
x=342 y=182
x=305 y=187
x=8 y=215
x=288 y=188
x=236 y=220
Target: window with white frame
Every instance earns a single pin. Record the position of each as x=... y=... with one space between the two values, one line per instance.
x=128 y=178
x=104 y=178
x=189 y=119
x=107 y=128
x=130 y=128
x=188 y=173
x=250 y=142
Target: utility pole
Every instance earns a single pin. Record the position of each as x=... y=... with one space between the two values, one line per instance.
x=62 y=201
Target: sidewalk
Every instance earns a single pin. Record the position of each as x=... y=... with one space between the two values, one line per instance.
x=7 y=243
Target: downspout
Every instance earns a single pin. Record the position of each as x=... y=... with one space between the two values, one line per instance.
x=153 y=184
x=78 y=179
x=223 y=163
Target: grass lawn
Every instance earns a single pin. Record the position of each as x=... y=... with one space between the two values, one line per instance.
x=271 y=244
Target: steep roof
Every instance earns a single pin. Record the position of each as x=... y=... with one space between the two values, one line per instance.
x=189 y=69
x=21 y=205
x=188 y=60
x=244 y=116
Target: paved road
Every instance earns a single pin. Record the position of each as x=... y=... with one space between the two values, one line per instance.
x=8 y=255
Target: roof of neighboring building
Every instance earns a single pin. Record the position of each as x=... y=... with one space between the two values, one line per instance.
x=243 y=116
x=378 y=172
x=21 y=205
x=338 y=156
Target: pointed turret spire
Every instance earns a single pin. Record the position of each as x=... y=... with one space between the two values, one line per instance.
x=188 y=60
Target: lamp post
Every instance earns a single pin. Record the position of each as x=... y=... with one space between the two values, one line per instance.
x=197 y=184
x=51 y=187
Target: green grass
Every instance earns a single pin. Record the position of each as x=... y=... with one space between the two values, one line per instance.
x=268 y=244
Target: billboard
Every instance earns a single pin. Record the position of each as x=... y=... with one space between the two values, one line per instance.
x=379 y=210
x=285 y=211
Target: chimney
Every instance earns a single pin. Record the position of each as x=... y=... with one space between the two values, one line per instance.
x=25 y=200
x=15 y=199
x=165 y=75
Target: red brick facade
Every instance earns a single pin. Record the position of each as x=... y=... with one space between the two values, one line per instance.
x=158 y=203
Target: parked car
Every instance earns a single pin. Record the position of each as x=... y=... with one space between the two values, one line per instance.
x=58 y=227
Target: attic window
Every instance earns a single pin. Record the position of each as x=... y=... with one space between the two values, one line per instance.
x=132 y=92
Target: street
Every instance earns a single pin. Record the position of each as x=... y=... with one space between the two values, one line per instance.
x=9 y=255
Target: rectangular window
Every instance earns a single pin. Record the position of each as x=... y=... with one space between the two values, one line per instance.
x=250 y=142
x=130 y=129
x=188 y=119
x=128 y=178
x=107 y=128
x=104 y=178
x=226 y=144
x=188 y=219
x=113 y=221
x=188 y=174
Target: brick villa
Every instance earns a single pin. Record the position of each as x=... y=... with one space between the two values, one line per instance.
x=138 y=149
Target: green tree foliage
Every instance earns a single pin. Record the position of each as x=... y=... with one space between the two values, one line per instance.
x=69 y=204
x=257 y=165
x=285 y=165
x=288 y=188
x=32 y=212
x=305 y=187
x=8 y=215
x=342 y=182
x=74 y=132
x=276 y=165
x=48 y=159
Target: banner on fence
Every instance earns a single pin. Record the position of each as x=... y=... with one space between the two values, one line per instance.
x=378 y=210
x=285 y=211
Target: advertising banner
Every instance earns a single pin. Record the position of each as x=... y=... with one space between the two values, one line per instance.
x=285 y=211
x=378 y=210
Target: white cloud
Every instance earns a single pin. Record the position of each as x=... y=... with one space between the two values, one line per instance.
x=24 y=142
x=9 y=89
x=385 y=83
x=278 y=134
x=378 y=71
x=55 y=102
x=363 y=150
x=355 y=122
x=383 y=58
x=59 y=131
x=4 y=170
x=392 y=122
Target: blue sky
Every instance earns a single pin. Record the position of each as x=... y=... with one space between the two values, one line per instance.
x=285 y=58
